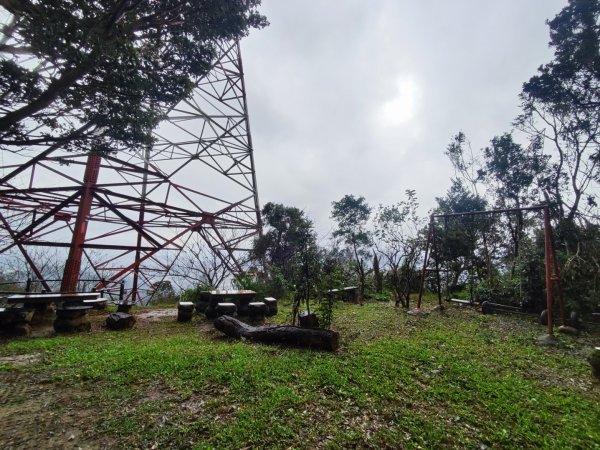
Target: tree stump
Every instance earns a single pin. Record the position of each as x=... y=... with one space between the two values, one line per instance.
x=316 y=338
x=271 y=305
x=185 y=311
x=119 y=321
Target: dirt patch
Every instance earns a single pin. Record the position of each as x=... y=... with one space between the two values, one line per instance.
x=156 y=315
x=21 y=360
x=38 y=414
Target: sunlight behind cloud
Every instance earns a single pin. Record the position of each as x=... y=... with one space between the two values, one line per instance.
x=403 y=106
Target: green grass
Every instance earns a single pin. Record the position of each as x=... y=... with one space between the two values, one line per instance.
x=454 y=380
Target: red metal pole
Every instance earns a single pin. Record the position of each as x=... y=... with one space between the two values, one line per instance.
x=548 y=258
x=73 y=264
x=425 y=262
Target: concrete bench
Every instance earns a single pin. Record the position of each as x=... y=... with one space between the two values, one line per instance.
x=71 y=311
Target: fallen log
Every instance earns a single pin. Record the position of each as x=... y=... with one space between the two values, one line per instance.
x=317 y=338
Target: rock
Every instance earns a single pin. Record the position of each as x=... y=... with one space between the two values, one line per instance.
x=271 y=305
x=185 y=311
x=226 y=309
x=594 y=360
x=417 y=312
x=575 y=320
x=544 y=317
x=568 y=330
x=257 y=310
x=547 y=339
x=309 y=320
x=119 y=321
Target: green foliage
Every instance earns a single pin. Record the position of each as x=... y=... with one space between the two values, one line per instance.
x=193 y=294
x=351 y=215
x=288 y=233
x=325 y=309
x=399 y=241
x=164 y=293
x=252 y=283
x=561 y=105
x=511 y=171
x=580 y=275
x=109 y=66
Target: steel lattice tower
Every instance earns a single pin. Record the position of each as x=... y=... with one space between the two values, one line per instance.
x=197 y=182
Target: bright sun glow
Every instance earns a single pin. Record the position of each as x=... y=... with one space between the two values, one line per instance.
x=402 y=107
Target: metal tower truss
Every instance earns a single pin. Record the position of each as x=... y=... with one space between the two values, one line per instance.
x=197 y=182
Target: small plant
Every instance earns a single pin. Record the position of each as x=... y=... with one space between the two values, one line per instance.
x=325 y=310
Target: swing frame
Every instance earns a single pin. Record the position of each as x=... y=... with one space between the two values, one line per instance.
x=551 y=262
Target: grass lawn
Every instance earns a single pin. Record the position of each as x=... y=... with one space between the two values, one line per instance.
x=455 y=379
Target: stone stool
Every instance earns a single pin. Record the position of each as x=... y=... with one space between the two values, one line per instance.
x=72 y=319
x=202 y=302
x=257 y=311
x=226 y=309
x=124 y=307
x=271 y=305
x=185 y=310
x=309 y=320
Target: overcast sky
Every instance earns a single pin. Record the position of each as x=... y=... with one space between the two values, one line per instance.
x=362 y=97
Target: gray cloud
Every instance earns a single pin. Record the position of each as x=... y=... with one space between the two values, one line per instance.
x=363 y=97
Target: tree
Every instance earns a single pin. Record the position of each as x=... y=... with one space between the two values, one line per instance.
x=289 y=234
x=513 y=176
x=399 y=242
x=199 y=264
x=561 y=105
x=352 y=215
x=467 y=166
x=96 y=74
x=163 y=292
x=457 y=241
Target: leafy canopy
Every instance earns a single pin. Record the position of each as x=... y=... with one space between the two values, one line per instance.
x=96 y=74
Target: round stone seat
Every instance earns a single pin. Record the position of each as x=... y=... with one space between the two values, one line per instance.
x=271 y=305
x=257 y=310
x=185 y=310
x=226 y=309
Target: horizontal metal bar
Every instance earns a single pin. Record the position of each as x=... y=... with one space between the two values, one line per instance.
x=490 y=211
